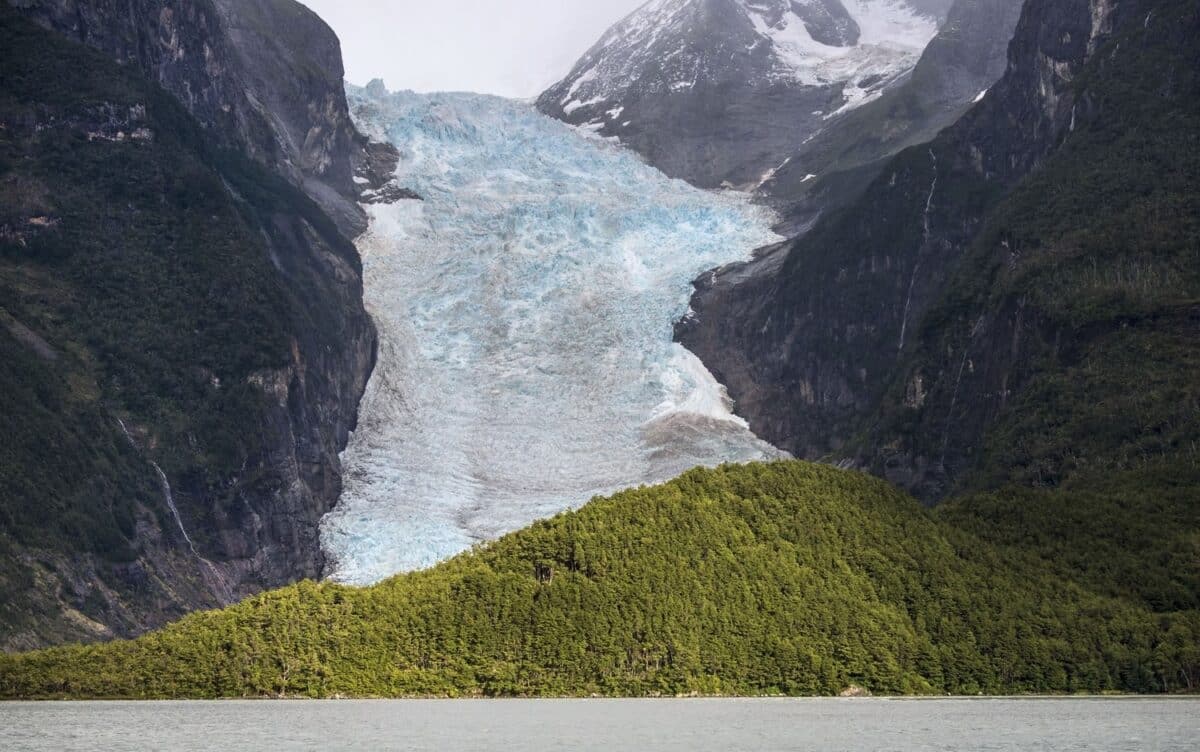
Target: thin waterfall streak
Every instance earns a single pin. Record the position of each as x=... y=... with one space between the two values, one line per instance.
x=224 y=591
x=927 y=230
x=962 y=367
x=912 y=281
x=170 y=499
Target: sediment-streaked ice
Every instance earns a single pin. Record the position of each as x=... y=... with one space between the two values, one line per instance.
x=525 y=314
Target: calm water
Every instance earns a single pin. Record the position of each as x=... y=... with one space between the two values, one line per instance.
x=534 y=726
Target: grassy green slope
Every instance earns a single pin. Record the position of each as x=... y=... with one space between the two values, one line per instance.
x=785 y=578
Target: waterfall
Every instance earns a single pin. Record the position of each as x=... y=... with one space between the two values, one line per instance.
x=927 y=230
x=170 y=498
x=218 y=584
x=962 y=367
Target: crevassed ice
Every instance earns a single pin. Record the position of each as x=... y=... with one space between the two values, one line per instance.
x=525 y=314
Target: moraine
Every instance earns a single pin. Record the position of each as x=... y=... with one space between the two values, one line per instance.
x=525 y=311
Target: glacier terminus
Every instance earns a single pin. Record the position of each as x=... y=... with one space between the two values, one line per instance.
x=525 y=310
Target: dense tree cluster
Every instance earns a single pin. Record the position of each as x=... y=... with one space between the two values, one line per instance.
x=788 y=578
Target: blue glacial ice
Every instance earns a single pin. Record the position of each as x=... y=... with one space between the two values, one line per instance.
x=525 y=313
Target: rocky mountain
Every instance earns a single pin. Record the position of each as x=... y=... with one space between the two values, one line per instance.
x=723 y=91
x=836 y=163
x=1011 y=303
x=263 y=76
x=181 y=312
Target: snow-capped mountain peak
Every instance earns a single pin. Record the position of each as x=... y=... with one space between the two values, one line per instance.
x=701 y=58
x=810 y=42
x=864 y=44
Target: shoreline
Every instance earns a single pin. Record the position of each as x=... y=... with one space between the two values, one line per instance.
x=1194 y=697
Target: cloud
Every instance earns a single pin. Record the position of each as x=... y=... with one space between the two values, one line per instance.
x=513 y=48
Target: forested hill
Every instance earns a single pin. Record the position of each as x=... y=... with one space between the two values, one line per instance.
x=785 y=578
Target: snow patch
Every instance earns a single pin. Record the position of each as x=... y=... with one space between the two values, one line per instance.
x=661 y=46
x=576 y=105
x=892 y=37
x=589 y=75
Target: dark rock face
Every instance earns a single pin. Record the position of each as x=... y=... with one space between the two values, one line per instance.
x=893 y=334
x=723 y=91
x=264 y=75
x=177 y=44
x=270 y=535
x=827 y=22
x=291 y=64
x=247 y=431
x=827 y=172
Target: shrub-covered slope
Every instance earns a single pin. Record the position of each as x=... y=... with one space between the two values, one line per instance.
x=1010 y=315
x=162 y=300
x=784 y=578
x=1133 y=535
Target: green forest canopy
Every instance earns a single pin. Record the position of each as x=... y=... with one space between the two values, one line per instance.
x=784 y=578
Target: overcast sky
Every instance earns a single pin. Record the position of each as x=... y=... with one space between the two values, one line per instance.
x=510 y=47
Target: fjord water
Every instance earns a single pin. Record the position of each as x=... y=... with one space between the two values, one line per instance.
x=1063 y=725
x=525 y=312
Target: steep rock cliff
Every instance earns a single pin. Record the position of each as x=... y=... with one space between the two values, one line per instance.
x=722 y=91
x=185 y=341
x=264 y=76
x=979 y=315
x=835 y=163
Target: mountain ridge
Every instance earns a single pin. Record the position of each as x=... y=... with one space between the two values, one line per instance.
x=933 y=276
x=263 y=76
x=997 y=317
x=719 y=91
x=836 y=164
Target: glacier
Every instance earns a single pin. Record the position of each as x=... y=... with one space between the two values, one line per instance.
x=525 y=311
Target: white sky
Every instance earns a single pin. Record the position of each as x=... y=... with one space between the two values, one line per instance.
x=514 y=48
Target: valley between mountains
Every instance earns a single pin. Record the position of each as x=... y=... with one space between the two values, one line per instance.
x=780 y=348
